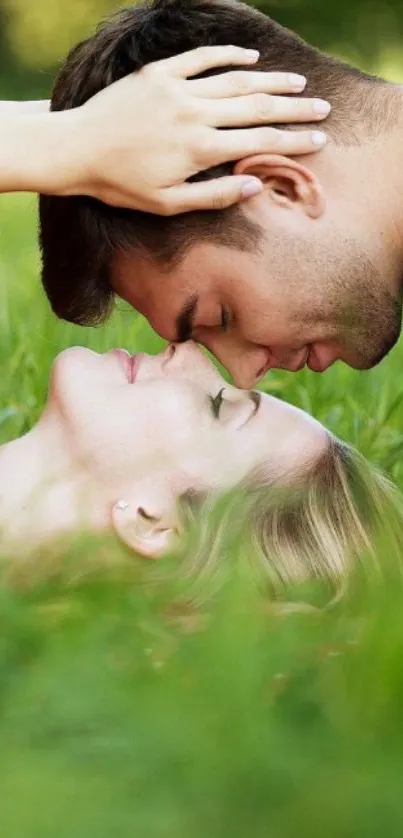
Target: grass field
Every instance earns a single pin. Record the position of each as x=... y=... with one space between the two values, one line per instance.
x=119 y=716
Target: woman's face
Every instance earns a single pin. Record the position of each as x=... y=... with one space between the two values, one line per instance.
x=172 y=419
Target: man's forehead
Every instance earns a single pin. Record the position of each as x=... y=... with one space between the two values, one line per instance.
x=146 y=283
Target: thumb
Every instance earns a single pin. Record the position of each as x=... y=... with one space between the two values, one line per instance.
x=211 y=194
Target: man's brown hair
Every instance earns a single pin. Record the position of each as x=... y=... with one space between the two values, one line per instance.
x=80 y=236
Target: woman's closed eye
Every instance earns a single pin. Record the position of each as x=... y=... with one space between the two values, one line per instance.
x=237 y=411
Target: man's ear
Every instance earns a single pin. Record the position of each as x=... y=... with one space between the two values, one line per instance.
x=287 y=183
x=147 y=524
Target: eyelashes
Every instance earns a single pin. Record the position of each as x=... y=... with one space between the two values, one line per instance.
x=235 y=412
x=225 y=319
x=216 y=403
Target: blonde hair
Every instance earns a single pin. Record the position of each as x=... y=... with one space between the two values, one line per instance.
x=318 y=528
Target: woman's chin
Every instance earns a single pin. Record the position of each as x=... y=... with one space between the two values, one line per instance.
x=72 y=358
x=70 y=375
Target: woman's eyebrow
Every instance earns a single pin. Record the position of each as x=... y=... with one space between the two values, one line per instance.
x=256 y=398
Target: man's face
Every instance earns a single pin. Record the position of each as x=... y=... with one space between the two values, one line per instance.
x=289 y=304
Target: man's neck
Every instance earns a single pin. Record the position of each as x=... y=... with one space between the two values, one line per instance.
x=388 y=163
x=371 y=173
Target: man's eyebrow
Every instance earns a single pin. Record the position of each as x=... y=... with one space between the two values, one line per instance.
x=185 y=320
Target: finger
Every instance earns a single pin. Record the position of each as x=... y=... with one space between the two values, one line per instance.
x=206 y=58
x=210 y=195
x=236 y=144
x=262 y=108
x=239 y=83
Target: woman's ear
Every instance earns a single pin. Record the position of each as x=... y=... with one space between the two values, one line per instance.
x=150 y=527
x=287 y=183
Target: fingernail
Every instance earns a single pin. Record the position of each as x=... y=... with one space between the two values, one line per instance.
x=318 y=138
x=252 y=54
x=252 y=187
x=297 y=81
x=321 y=107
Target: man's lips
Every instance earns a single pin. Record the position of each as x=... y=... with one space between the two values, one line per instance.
x=298 y=360
x=313 y=363
x=295 y=363
x=317 y=364
x=129 y=363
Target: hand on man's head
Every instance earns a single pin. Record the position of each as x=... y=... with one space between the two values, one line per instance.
x=143 y=137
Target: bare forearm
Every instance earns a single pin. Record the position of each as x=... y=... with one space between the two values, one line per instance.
x=35 y=149
x=20 y=108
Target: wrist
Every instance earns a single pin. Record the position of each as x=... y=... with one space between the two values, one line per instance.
x=68 y=153
x=55 y=165
x=40 y=152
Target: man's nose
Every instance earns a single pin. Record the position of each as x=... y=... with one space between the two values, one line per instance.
x=243 y=360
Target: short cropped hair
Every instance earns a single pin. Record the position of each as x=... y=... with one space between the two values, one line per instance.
x=80 y=237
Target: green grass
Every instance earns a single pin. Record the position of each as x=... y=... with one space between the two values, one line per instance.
x=125 y=714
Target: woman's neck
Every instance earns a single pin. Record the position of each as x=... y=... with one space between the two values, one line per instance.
x=41 y=493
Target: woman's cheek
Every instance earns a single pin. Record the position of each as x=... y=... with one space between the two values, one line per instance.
x=177 y=414
x=149 y=431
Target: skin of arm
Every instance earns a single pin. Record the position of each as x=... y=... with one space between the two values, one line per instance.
x=21 y=108
x=37 y=148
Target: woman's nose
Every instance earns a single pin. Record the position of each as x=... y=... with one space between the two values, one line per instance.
x=185 y=355
x=168 y=354
x=189 y=361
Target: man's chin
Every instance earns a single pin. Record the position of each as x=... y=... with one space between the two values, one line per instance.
x=368 y=363
x=359 y=363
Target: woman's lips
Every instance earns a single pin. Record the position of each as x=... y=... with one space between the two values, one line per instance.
x=129 y=363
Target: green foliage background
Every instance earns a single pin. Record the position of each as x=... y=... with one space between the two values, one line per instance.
x=35 y=36
x=126 y=707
